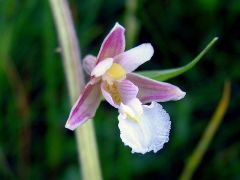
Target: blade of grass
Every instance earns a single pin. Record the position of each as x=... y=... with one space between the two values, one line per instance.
x=85 y=135
x=198 y=153
x=162 y=75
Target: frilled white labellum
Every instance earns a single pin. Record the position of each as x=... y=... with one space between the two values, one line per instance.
x=149 y=133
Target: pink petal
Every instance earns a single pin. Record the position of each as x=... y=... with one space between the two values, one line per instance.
x=107 y=95
x=151 y=90
x=113 y=44
x=127 y=90
x=85 y=107
x=89 y=63
x=133 y=58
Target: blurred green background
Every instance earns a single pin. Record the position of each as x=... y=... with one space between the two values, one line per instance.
x=34 y=102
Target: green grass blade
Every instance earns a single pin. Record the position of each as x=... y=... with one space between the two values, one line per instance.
x=85 y=135
x=162 y=75
x=197 y=155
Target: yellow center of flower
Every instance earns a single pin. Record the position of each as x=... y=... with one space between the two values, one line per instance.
x=116 y=72
x=113 y=90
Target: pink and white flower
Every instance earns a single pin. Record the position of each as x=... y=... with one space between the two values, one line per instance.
x=143 y=127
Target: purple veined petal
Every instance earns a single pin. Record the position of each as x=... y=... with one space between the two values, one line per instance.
x=133 y=58
x=151 y=90
x=85 y=107
x=107 y=95
x=150 y=133
x=113 y=44
x=127 y=90
x=89 y=63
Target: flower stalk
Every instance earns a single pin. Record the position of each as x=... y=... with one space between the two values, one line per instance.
x=85 y=135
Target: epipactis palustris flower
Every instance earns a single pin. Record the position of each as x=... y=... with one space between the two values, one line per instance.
x=142 y=127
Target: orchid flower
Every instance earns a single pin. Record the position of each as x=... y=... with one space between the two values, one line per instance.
x=142 y=127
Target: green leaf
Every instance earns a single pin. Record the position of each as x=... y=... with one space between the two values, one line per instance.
x=162 y=75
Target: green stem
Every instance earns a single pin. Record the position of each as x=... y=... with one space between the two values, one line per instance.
x=208 y=135
x=85 y=135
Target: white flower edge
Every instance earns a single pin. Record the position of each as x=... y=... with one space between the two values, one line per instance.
x=102 y=67
x=150 y=133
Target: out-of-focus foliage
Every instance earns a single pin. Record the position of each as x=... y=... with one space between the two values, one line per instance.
x=34 y=102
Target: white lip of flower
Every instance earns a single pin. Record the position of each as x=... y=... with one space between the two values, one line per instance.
x=150 y=133
x=143 y=128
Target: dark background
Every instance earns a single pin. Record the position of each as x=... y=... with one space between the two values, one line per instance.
x=34 y=102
